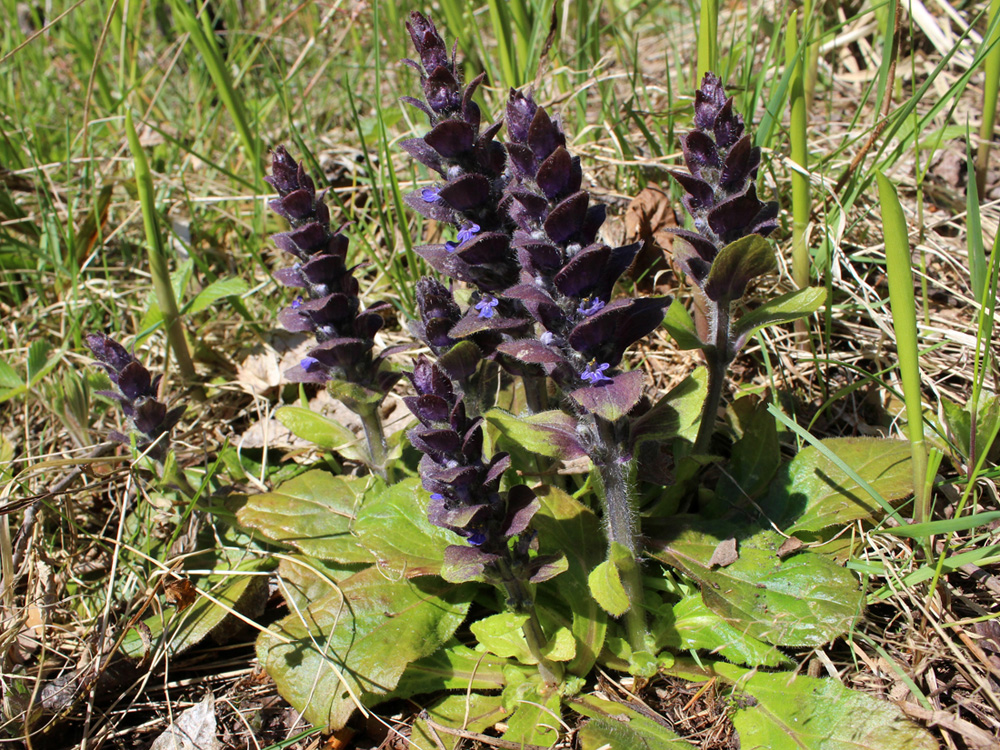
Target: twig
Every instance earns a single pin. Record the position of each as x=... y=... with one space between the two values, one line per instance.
x=484 y=738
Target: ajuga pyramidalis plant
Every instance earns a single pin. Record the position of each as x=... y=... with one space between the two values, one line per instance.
x=543 y=281
x=726 y=250
x=137 y=391
x=343 y=358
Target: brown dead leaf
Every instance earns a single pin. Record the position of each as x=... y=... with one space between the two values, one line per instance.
x=180 y=592
x=788 y=547
x=647 y=218
x=725 y=554
x=264 y=368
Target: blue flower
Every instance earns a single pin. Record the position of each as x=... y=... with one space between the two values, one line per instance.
x=297 y=303
x=596 y=375
x=451 y=246
x=309 y=363
x=431 y=194
x=547 y=338
x=590 y=305
x=476 y=539
x=486 y=307
x=467 y=233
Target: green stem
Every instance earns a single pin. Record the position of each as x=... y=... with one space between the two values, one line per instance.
x=521 y=601
x=718 y=361
x=378 y=452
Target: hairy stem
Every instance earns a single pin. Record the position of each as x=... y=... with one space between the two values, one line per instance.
x=718 y=358
x=622 y=522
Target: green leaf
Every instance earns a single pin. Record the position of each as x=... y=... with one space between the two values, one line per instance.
x=535 y=721
x=606 y=583
x=615 y=725
x=355 y=643
x=561 y=646
x=9 y=377
x=803 y=600
x=783 y=309
x=679 y=324
x=455 y=667
x=228 y=287
x=472 y=712
x=303 y=579
x=566 y=525
x=814 y=495
x=817 y=714
x=676 y=414
x=393 y=527
x=736 y=264
x=314 y=513
x=355 y=397
x=755 y=458
x=180 y=630
x=690 y=624
x=502 y=635
x=327 y=434
x=548 y=433
x=38 y=354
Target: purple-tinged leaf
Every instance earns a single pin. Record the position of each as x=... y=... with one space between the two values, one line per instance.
x=533 y=203
x=451 y=138
x=429 y=409
x=416 y=103
x=546 y=567
x=709 y=99
x=736 y=264
x=498 y=465
x=742 y=215
x=728 y=126
x=522 y=159
x=467 y=192
x=567 y=218
x=473 y=324
x=592 y=223
x=700 y=152
x=544 y=136
x=149 y=416
x=436 y=441
x=134 y=381
x=531 y=351
x=700 y=195
x=422 y=152
x=296 y=206
x=435 y=210
x=611 y=400
x=461 y=361
x=584 y=272
x=441 y=90
x=488 y=247
x=427 y=41
x=549 y=433
x=554 y=173
x=109 y=352
x=521 y=110
x=741 y=165
x=290 y=277
x=464 y=563
x=521 y=506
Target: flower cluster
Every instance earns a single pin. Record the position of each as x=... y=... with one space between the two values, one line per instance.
x=471 y=165
x=567 y=274
x=136 y=391
x=330 y=308
x=465 y=488
x=721 y=190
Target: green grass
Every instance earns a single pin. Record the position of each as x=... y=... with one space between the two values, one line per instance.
x=78 y=219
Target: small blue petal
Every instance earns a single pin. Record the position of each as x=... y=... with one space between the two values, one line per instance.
x=467 y=233
x=431 y=194
x=296 y=303
x=477 y=539
x=451 y=246
x=547 y=338
x=309 y=363
x=590 y=306
x=486 y=307
x=596 y=375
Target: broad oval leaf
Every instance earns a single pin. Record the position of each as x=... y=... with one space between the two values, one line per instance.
x=803 y=600
x=313 y=513
x=317 y=429
x=392 y=525
x=813 y=494
x=354 y=644
x=817 y=714
x=548 y=433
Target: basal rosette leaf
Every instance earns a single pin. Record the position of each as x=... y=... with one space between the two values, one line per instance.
x=804 y=600
x=812 y=494
x=313 y=513
x=354 y=644
x=324 y=432
x=392 y=525
x=817 y=714
x=616 y=725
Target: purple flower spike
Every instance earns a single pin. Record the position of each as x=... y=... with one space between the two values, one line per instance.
x=431 y=194
x=595 y=375
x=487 y=306
x=589 y=306
x=467 y=233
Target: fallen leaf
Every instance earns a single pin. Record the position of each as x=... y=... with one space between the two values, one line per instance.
x=180 y=592
x=725 y=554
x=648 y=217
x=194 y=729
x=789 y=547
